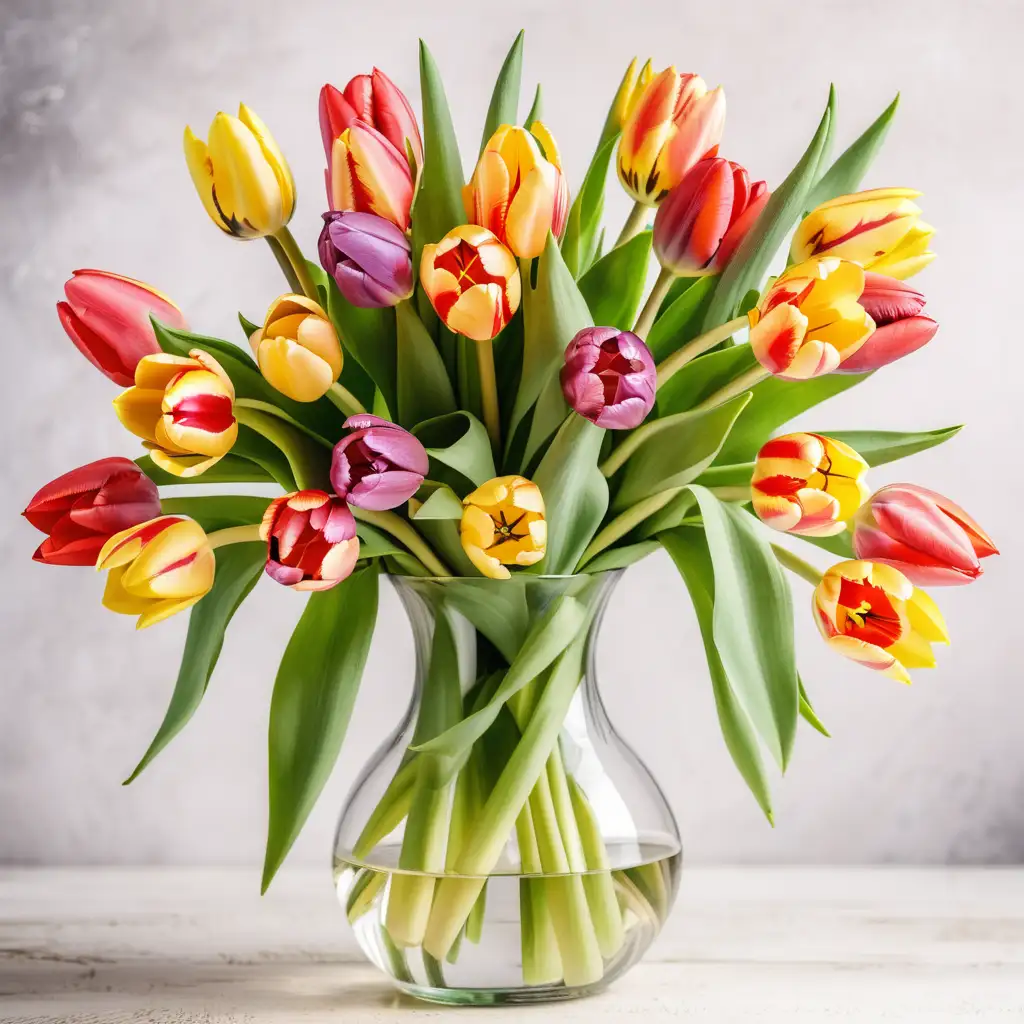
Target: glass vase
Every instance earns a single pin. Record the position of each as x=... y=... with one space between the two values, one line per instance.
x=505 y=845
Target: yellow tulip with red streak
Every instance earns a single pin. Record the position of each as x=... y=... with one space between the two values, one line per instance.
x=631 y=88
x=503 y=524
x=809 y=320
x=881 y=229
x=183 y=409
x=872 y=614
x=157 y=569
x=518 y=190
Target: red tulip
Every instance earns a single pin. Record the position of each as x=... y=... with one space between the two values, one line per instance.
x=900 y=326
x=107 y=317
x=83 y=509
x=929 y=539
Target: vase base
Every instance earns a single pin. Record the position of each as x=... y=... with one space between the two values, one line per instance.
x=502 y=996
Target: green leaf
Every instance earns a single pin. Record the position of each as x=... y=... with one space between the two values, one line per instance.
x=808 y=714
x=255 y=448
x=458 y=441
x=877 y=447
x=752 y=259
x=375 y=543
x=675 y=513
x=684 y=446
x=702 y=377
x=314 y=693
x=238 y=568
x=753 y=621
x=615 y=285
x=536 y=109
x=840 y=544
x=424 y=390
x=248 y=326
x=681 y=320
x=575 y=493
x=308 y=461
x=497 y=609
x=688 y=548
x=621 y=557
x=444 y=503
x=232 y=469
x=736 y=475
x=217 y=511
x=504 y=106
x=443 y=536
x=844 y=176
x=584 y=222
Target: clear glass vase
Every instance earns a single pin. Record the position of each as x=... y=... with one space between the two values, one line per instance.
x=504 y=844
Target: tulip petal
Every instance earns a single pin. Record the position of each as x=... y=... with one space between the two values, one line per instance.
x=246 y=186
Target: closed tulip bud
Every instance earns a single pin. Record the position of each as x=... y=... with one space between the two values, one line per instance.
x=375 y=100
x=880 y=229
x=900 y=326
x=929 y=539
x=108 y=318
x=503 y=524
x=609 y=377
x=369 y=175
x=379 y=465
x=311 y=540
x=297 y=348
x=705 y=217
x=518 y=190
x=810 y=320
x=631 y=88
x=183 y=409
x=472 y=281
x=241 y=176
x=674 y=123
x=157 y=569
x=369 y=258
x=808 y=484
x=875 y=616
x=84 y=508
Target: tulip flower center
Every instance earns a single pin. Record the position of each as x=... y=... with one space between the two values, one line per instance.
x=868 y=614
x=611 y=367
x=504 y=531
x=464 y=264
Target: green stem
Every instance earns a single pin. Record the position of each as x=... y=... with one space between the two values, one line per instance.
x=345 y=400
x=731 y=493
x=616 y=460
x=291 y=249
x=284 y=263
x=233 y=535
x=625 y=521
x=272 y=410
x=697 y=347
x=744 y=382
x=401 y=530
x=795 y=564
x=634 y=223
x=647 y=316
x=489 y=392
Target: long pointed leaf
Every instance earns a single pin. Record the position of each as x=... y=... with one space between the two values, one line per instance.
x=614 y=286
x=504 y=105
x=424 y=390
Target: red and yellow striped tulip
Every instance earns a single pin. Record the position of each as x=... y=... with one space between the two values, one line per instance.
x=518 y=190
x=503 y=524
x=241 y=175
x=368 y=175
x=311 y=540
x=631 y=88
x=183 y=409
x=157 y=569
x=674 y=123
x=875 y=616
x=472 y=281
x=881 y=229
x=297 y=348
x=810 y=319
x=808 y=484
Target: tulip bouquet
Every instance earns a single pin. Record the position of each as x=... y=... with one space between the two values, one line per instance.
x=471 y=381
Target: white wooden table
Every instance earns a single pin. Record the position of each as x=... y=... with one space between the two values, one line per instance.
x=754 y=944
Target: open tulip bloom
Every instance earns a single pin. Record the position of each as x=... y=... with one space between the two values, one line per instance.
x=472 y=383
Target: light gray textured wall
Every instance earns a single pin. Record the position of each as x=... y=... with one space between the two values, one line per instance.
x=93 y=99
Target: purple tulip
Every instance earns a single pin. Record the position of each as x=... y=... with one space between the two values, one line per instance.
x=609 y=377
x=369 y=257
x=379 y=465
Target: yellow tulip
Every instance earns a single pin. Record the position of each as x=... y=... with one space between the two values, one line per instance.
x=297 y=348
x=631 y=88
x=880 y=229
x=241 y=175
x=503 y=524
x=157 y=569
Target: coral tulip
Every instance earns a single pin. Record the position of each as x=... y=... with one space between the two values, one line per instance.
x=183 y=409
x=472 y=281
x=368 y=257
x=379 y=465
x=108 y=318
x=810 y=320
x=157 y=569
x=875 y=616
x=923 y=534
x=82 y=509
x=880 y=229
x=674 y=123
x=311 y=540
x=609 y=377
x=705 y=217
x=518 y=190
x=808 y=484
x=241 y=176
x=503 y=524
x=297 y=348
x=367 y=174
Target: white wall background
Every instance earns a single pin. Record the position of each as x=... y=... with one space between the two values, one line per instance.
x=93 y=100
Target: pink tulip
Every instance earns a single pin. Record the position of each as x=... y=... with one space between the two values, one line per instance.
x=367 y=174
x=379 y=465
